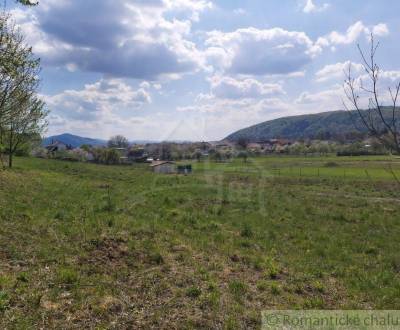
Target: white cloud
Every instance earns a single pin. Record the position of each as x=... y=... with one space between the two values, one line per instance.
x=236 y=113
x=390 y=76
x=310 y=7
x=231 y=88
x=121 y=38
x=239 y=11
x=380 y=30
x=195 y=7
x=337 y=71
x=239 y=101
x=330 y=99
x=352 y=34
x=252 y=51
x=99 y=101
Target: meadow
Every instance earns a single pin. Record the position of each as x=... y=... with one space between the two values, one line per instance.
x=92 y=246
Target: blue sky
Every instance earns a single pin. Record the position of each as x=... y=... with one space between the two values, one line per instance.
x=199 y=69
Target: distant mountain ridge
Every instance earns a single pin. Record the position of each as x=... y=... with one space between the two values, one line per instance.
x=324 y=126
x=74 y=140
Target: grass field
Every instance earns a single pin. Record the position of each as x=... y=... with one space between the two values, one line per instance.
x=90 y=246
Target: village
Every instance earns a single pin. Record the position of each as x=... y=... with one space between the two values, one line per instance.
x=162 y=157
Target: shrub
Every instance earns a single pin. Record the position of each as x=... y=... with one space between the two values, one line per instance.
x=106 y=156
x=79 y=155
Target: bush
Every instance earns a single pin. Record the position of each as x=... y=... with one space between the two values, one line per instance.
x=39 y=153
x=106 y=156
x=79 y=155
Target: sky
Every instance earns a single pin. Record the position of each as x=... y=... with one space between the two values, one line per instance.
x=199 y=69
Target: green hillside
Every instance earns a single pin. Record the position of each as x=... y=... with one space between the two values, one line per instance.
x=325 y=125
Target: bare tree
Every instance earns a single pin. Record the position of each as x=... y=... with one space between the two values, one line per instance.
x=379 y=120
x=23 y=2
x=28 y=2
x=118 y=141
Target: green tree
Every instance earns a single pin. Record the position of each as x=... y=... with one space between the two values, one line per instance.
x=216 y=156
x=22 y=113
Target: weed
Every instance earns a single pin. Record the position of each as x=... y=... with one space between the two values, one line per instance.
x=4 y=301
x=262 y=285
x=22 y=277
x=193 y=292
x=275 y=289
x=66 y=275
x=246 y=231
x=156 y=258
x=238 y=289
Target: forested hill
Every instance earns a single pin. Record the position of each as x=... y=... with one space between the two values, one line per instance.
x=325 y=125
x=73 y=140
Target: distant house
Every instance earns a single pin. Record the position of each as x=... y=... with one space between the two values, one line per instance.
x=222 y=144
x=137 y=155
x=254 y=147
x=164 y=167
x=58 y=146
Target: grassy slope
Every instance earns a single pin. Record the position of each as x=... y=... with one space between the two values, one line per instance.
x=85 y=245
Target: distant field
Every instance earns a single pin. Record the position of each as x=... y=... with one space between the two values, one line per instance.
x=86 y=246
x=370 y=167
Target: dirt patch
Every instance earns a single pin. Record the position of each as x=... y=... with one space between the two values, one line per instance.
x=108 y=252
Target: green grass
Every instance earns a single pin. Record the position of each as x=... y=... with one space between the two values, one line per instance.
x=353 y=168
x=85 y=245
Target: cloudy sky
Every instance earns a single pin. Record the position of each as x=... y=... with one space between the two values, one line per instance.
x=199 y=69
